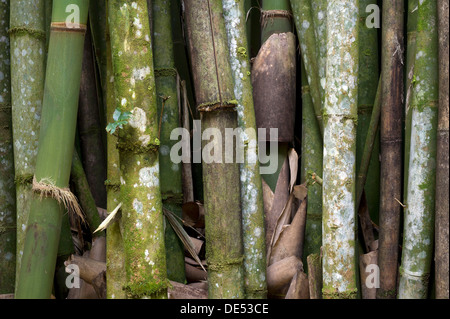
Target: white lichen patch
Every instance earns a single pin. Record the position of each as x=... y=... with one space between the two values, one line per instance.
x=149 y=176
x=138 y=119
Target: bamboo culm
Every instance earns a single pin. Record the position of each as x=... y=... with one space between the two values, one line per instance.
x=251 y=187
x=56 y=145
x=7 y=187
x=418 y=234
x=340 y=117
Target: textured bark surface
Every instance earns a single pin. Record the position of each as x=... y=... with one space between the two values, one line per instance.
x=442 y=171
x=215 y=99
x=135 y=92
x=250 y=178
x=391 y=146
x=340 y=117
x=418 y=236
x=27 y=34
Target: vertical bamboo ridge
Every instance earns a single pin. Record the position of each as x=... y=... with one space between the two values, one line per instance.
x=340 y=116
x=7 y=187
x=169 y=116
x=304 y=22
x=312 y=161
x=56 y=140
x=251 y=187
x=442 y=209
x=115 y=270
x=27 y=36
x=411 y=33
x=368 y=79
x=135 y=92
x=214 y=90
x=391 y=146
x=419 y=214
x=312 y=155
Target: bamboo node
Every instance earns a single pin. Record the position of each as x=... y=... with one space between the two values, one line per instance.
x=228 y=263
x=165 y=72
x=271 y=14
x=38 y=34
x=214 y=106
x=46 y=188
x=68 y=27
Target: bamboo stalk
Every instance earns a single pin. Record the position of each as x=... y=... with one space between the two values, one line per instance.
x=418 y=232
x=251 y=185
x=340 y=116
x=27 y=35
x=135 y=92
x=57 y=136
x=167 y=101
x=442 y=171
x=89 y=127
x=368 y=78
x=87 y=202
x=115 y=271
x=7 y=187
x=312 y=160
x=391 y=146
x=315 y=276
x=216 y=101
x=411 y=29
x=306 y=34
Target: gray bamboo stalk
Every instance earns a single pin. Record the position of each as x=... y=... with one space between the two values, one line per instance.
x=215 y=99
x=28 y=50
x=251 y=187
x=340 y=117
x=442 y=209
x=418 y=234
x=391 y=146
x=7 y=188
x=135 y=92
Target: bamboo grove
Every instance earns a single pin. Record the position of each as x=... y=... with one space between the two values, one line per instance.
x=116 y=176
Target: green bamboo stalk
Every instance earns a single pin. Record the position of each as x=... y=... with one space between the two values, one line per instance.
x=251 y=187
x=312 y=161
x=340 y=117
x=391 y=146
x=115 y=260
x=411 y=29
x=7 y=188
x=304 y=22
x=57 y=136
x=169 y=114
x=84 y=195
x=368 y=79
x=442 y=171
x=275 y=18
x=27 y=35
x=215 y=99
x=135 y=92
x=418 y=234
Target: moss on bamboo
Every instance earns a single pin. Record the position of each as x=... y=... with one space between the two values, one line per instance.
x=135 y=92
